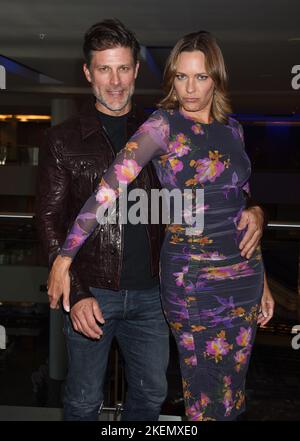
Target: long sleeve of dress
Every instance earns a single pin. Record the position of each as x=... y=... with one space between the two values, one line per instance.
x=246 y=186
x=150 y=141
x=250 y=201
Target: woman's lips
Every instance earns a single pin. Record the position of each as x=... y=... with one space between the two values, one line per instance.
x=190 y=100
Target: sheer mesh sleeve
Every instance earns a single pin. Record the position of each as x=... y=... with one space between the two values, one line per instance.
x=149 y=142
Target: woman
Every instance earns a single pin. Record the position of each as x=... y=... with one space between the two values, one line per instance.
x=211 y=295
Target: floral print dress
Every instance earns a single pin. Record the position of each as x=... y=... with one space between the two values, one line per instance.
x=210 y=294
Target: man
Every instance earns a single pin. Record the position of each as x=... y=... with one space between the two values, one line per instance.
x=114 y=277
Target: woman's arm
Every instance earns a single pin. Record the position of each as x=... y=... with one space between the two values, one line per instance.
x=252 y=217
x=150 y=141
x=267 y=305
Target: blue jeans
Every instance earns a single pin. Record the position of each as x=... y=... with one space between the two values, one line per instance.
x=136 y=319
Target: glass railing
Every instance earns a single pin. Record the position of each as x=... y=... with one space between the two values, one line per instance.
x=281 y=253
x=18 y=240
x=280 y=247
x=19 y=155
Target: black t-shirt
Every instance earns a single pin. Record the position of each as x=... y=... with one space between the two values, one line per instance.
x=136 y=267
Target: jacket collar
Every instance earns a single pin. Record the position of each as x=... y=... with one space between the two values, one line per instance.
x=90 y=121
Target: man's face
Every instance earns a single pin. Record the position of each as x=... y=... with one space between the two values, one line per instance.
x=112 y=75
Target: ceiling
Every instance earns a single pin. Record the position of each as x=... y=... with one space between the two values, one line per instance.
x=260 y=41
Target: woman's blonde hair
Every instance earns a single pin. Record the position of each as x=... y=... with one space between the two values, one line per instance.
x=214 y=62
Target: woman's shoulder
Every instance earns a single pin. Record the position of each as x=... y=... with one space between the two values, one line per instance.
x=159 y=117
x=236 y=127
x=161 y=113
x=232 y=122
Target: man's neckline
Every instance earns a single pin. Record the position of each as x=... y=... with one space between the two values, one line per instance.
x=106 y=115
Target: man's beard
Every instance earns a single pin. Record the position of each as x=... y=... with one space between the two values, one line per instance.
x=117 y=107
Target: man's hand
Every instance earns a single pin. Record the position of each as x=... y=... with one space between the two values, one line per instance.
x=84 y=316
x=59 y=283
x=253 y=219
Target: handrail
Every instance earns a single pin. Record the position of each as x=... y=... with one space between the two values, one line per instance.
x=10 y=215
x=286 y=225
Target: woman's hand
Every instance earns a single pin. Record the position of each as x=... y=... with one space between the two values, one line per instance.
x=266 y=310
x=59 y=283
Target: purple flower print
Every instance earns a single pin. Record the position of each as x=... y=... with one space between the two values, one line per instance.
x=244 y=337
x=196 y=411
x=228 y=402
x=180 y=310
x=179 y=146
x=197 y=129
x=208 y=170
x=246 y=188
x=191 y=361
x=232 y=186
x=241 y=357
x=176 y=165
x=218 y=347
x=224 y=272
x=78 y=234
x=157 y=129
x=227 y=380
x=187 y=341
x=179 y=276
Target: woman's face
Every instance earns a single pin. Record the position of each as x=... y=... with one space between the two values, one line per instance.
x=194 y=88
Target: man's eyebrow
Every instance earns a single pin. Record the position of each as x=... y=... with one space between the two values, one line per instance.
x=107 y=65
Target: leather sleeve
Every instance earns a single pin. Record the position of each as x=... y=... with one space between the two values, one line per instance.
x=52 y=208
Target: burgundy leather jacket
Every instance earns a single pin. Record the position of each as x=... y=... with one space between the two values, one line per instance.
x=72 y=160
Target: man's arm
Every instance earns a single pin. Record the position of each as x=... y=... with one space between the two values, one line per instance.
x=52 y=198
